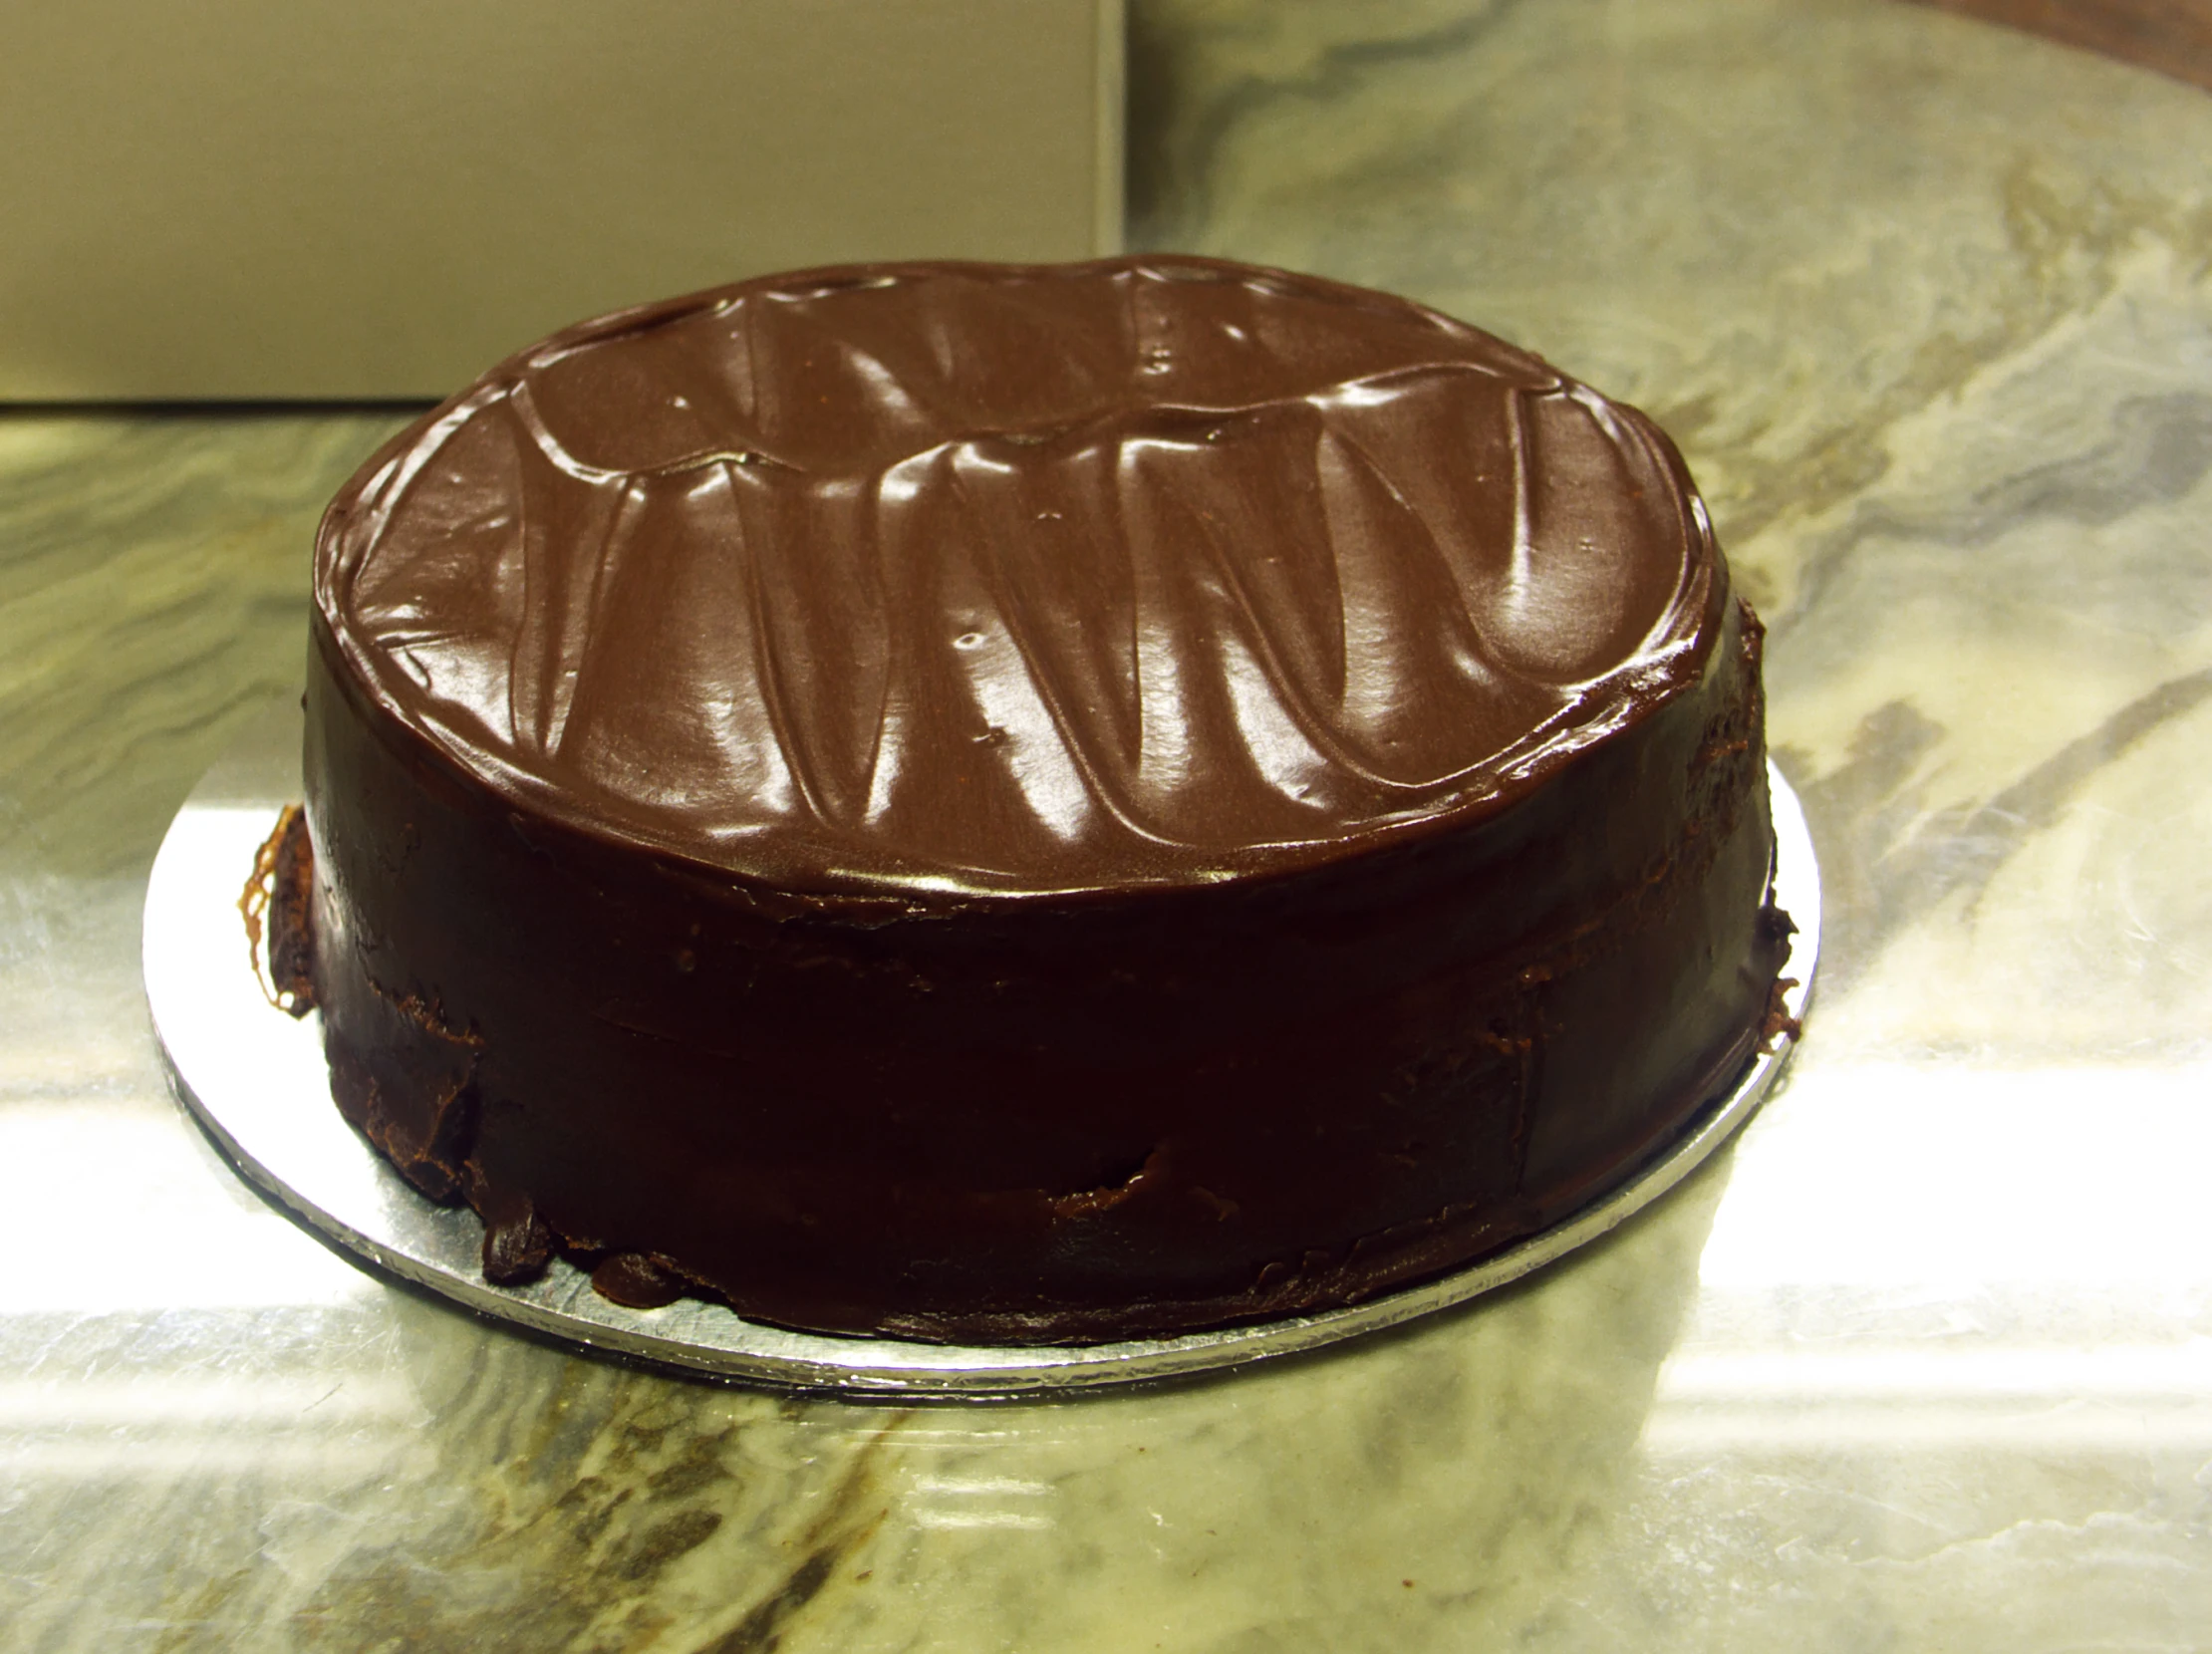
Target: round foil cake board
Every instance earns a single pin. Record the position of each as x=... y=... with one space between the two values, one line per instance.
x=256 y=1080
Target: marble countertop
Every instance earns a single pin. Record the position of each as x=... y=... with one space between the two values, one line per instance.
x=1924 y=1362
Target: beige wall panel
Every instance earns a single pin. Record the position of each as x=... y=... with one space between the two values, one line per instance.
x=365 y=198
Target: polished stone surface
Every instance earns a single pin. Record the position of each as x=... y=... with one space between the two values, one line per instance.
x=1924 y=1363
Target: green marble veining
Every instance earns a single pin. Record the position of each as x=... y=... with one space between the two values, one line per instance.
x=1921 y=1364
x=152 y=575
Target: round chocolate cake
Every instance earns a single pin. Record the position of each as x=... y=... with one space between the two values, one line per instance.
x=1029 y=803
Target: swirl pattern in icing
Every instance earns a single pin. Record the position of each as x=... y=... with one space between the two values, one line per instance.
x=1019 y=579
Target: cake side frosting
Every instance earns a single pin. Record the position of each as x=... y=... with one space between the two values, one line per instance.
x=1018 y=580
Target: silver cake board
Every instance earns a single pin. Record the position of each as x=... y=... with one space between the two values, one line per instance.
x=256 y=1080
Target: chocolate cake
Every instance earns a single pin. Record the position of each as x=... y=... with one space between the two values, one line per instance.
x=1029 y=803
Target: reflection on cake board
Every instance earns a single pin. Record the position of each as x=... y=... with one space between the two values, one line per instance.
x=255 y=1079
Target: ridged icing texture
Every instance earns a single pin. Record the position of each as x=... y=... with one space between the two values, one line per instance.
x=1028 y=579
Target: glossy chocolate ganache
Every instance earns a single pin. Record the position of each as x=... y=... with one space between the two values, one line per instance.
x=1029 y=803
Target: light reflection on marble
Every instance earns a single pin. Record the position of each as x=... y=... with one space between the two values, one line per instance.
x=1925 y=1362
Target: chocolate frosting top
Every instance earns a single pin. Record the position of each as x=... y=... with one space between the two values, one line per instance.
x=1023 y=579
